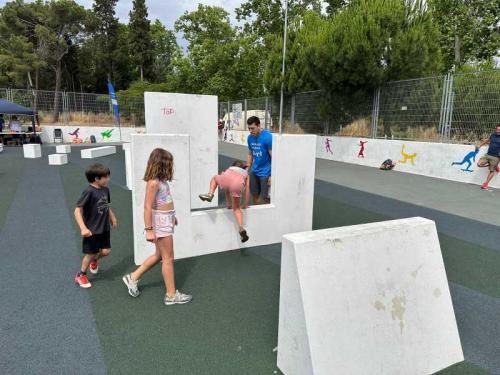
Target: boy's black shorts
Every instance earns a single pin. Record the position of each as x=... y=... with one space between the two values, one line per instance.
x=96 y=242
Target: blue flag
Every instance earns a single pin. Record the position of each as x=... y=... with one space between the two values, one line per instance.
x=114 y=102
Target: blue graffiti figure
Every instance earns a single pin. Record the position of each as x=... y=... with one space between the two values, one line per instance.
x=468 y=159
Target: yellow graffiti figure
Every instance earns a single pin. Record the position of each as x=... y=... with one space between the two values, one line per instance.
x=243 y=138
x=407 y=157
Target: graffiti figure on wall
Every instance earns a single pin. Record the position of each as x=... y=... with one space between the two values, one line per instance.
x=328 y=145
x=407 y=157
x=468 y=159
x=361 y=144
x=231 y=139
x=243 y=139
x=76 y=136
x=107 y=134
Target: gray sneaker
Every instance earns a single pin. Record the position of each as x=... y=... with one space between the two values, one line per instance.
x=206 y=197
x=131 y=285
x=178 y=298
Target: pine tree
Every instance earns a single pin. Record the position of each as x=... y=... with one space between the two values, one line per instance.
x=106 y=36
x=141 y=45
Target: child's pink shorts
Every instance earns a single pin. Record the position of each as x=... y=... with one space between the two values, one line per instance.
x=232 y=182
x=163 y=223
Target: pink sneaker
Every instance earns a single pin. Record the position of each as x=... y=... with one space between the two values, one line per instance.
x=484 y=186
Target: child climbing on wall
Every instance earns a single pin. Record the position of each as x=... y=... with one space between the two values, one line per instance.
x=233 y=181
x=159 y=221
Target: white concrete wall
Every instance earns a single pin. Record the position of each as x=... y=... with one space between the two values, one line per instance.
x=193 y=115
x=431 y=159
x=47 y=134
x=215 y=230
x=366 y=299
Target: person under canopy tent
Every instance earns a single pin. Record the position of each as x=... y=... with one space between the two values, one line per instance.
x=13 y=109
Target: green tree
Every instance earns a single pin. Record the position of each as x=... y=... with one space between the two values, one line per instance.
x=221 y=61
x=105 y=40
x=141 y=45
x=470 y=29
x=265 y=18
x=18 y=57
x=165 y=50
x=61 y=24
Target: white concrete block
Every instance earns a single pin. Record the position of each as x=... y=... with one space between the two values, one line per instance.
x=1 y=147
x=91 y=153
x=366 y=299
x=32 y=151
x=58 y=159
x=63 y=149
x=193 y=115
x=128 y=164
x=215 y=230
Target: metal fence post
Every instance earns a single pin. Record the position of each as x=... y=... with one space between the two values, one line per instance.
x=266 y=113
x=292 y=112
x=229 y=115
x=245 y=104
x=443 y=114
x=376 y=106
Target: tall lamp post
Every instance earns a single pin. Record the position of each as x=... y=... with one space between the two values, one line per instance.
x=283 y=67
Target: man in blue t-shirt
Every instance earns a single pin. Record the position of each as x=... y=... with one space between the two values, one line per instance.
x=260 y=145
x=492 y=157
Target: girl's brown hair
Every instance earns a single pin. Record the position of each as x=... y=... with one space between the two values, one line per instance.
x=160 y=166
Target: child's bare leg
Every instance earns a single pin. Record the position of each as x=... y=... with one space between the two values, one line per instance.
x=103 y=253
x=87 y=258
x=166 y=247
x=237 y=212
x=150 y=262
x=213 y=185
x=229 y=200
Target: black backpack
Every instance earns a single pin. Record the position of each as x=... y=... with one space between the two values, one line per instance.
x=387 y=165
x=92 y=139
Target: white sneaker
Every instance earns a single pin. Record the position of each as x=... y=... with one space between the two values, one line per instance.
x=178 y=298
x=131 y=285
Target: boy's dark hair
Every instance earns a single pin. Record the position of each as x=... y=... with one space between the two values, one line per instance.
x=253 y=120
x=239 y=164
x=96 y=171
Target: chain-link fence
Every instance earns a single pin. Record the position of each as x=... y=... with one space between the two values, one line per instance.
x=461 y=107
x=76 y=108
x=458 y=108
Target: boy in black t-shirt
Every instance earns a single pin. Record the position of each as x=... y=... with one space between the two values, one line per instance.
x=94 y=217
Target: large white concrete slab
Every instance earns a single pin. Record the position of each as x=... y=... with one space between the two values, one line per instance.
x=32 y=151
x=366 y=299
x=63 y=149
x=193 y=115
x=96 y=152
x=215 y=230
x=58 y=159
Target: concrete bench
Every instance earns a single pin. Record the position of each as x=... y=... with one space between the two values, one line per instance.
x=32 y=151
x=58 y=159
x=63 y=149
x=91 y=153
x=1 y=147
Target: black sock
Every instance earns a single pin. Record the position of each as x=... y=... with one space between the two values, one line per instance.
x=82 y=273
